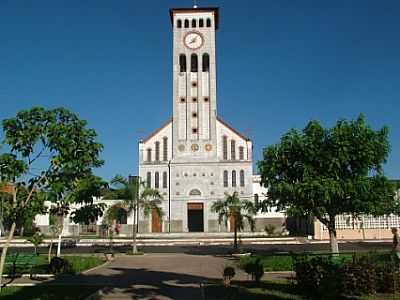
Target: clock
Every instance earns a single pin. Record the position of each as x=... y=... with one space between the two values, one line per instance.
x=181 y=147
x=208 y=147
x=193 y=40
x=195 y=147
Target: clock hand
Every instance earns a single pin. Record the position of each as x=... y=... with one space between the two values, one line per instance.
x=193 y=40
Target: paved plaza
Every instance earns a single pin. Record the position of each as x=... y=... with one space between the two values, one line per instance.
x=152 y=276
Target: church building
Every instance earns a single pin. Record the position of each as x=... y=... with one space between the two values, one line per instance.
x=195 y=157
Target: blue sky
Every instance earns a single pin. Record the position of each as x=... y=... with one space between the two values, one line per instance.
x=280 y=64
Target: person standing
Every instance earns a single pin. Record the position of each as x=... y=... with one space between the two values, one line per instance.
x=395 y=244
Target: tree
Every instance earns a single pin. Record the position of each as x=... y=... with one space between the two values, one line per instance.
x=136 y=198
x=233 y=208
x=36 y=240
x=77 y=200
x=328 y=172
x=45 y=150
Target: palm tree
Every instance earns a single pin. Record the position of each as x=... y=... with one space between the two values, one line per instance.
x=136 y=198
x=233 y=208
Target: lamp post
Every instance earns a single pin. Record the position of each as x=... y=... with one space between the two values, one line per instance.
x=169 y=196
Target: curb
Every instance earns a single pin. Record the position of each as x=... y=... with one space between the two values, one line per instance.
x=33 y=276
x=97 y=267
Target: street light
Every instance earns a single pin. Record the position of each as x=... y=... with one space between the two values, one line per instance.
x=169 y=196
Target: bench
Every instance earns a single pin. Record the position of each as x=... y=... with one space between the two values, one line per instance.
x=21 y=260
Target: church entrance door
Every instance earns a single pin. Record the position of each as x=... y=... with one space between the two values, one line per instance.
x=195 y=217
x=155 y=222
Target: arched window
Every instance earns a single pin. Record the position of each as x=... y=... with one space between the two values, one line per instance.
x=157 y=180
x=241 y=153
x=165 y=148
x=208 y=22
x=233 y=178
x=193 y=63
x=182 y=62
x=241 y=178
x=225 y=147
x=186 y=23
x=148 y=180
x=179 y=24
x=194 y=23
x=225 y=178
x=256 y=200
x=233 y=150
x=164 y=180
x=206 y=62
x=149 y=155
x=157 y=155
x=201 y=23
x=195 y=192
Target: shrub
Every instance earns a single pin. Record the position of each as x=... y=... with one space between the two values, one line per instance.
x=228 y=274
x=253 y=266
x=318 y=275
x=59 y=265
x=335 y=278
x=270 y=229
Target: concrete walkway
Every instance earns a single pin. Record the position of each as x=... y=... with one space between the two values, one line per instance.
x=153 y=276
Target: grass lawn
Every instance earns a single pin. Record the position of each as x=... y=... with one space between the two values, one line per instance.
x=79 y=264
x=269 y=290
x=274 y=263
x=44 y=292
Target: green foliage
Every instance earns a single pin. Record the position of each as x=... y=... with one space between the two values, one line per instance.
x=114 y=213
x=135 y=196
x=73 y=264
x=272 y=263
x=327 y=172
x=233 y=208
x=50 y=151
x=55 y=136
x=59 y=265
x=270 y=229
x=48 y=292
x=229 y=272
x=36 y=239
x=83 y=263
x=47 y=151
x=318 y=277
x=252 y=266
x=20 y=212
x=333 y=278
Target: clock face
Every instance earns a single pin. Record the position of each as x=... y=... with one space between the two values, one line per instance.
x=193 y=40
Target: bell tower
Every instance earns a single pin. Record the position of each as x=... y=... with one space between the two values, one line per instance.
x=194 y=83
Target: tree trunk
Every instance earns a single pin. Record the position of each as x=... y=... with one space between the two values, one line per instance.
x=134 y=233
x=59 y=245
x=4 y=252
x=333 y=240
x=10 y=237
x=235 y=243
x=50 y=248
x=61 y=228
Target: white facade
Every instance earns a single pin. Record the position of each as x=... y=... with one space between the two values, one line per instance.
x=195 y=158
